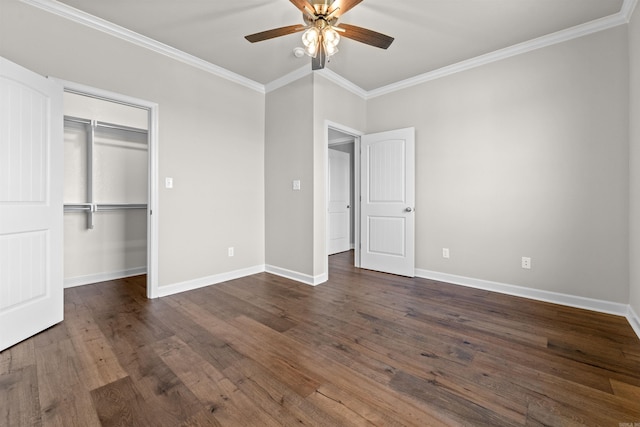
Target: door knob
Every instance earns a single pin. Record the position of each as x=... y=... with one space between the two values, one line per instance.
x=409 y=209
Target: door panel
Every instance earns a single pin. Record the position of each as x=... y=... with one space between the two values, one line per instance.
x=388 y=201
x=31 y=156
x=339 y=202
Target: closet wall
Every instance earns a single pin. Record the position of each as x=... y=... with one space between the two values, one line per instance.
x=105 y=195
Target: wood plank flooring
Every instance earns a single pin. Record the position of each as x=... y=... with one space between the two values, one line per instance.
x=363 y=349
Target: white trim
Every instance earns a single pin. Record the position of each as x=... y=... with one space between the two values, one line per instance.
x=71 y=282
x=325 y=72
x=341 y=141
x=152 y=202
x=202 y=282
x=108 y=95
x=498 y=55
x=341 y=128
x=356 y=134
x=100 y=24
x=298 y=277
x=342 y=82
x=627 y=9
x=288 y=78
x=535 y=294
x=634 y=320
x=122 y=33
x=153 y=206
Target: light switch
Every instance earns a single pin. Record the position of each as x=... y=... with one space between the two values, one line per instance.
x=168 y=182
x=296 y=184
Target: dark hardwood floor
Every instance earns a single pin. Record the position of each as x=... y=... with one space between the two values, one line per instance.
x=363 y=349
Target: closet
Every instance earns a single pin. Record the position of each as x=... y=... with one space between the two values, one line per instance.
x=106 y=190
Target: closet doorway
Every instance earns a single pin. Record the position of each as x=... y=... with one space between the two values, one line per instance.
x=109 y=221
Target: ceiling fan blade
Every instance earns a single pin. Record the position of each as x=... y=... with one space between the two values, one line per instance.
x=344 y=6
x=317 y=62
x=363 y=35
x=276 y=32
x=304 y=6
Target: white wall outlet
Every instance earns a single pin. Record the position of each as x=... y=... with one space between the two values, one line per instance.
x=445 y=252
x=526 y=262
x=296 y=184
x=168 y=182
x=230 y=251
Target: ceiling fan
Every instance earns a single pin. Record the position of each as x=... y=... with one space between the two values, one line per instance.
x=321 y=30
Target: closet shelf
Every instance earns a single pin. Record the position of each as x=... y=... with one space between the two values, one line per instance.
x=104 y=124
x=91 y=207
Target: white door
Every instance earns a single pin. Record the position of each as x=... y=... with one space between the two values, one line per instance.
x=339 y=202
x=31 y=186
x=387 y=219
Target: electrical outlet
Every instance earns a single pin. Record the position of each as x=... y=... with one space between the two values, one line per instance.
x=526 y=263
x=445 y=252
x=230 y=251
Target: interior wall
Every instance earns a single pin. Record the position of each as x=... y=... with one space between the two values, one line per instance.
x=117 y=244
x=527 y=156
x=296 y=148
x=331 y=103
x=289 y=157
x=634 y=160
x=211 y=137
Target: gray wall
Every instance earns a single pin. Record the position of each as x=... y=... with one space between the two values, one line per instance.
x=634 y=73
x=211 y=137
x=527 y=156
x=288 y=157
x=296 y=148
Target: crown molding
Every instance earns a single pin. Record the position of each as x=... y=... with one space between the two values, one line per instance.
x=591 y=27
x=325 y=72
x=83 y=18
x=288 y=78
x=336 y=78
x=627 y=9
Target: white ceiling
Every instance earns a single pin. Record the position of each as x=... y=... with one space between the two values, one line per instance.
x=429 y=34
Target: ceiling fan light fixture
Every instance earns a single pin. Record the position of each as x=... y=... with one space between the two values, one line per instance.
x=311 y=41
x=330 y=36
x=330 y=39
x=320 y=35
x=311 y=36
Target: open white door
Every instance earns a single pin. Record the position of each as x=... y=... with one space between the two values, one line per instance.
x=387 y=219
x=31 y=186
x=339 y=202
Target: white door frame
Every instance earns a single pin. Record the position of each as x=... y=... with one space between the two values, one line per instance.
x=356 y=186
x=152 y=202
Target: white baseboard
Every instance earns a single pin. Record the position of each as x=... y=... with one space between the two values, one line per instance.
x=70 y=282
x=299 y=277
x=634 y=320
x=190 y=285
x=535 y=294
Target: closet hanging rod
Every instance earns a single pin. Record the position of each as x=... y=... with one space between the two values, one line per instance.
x=101 y=207
x=105 y=124
x=77 y=207
x=114 y=206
